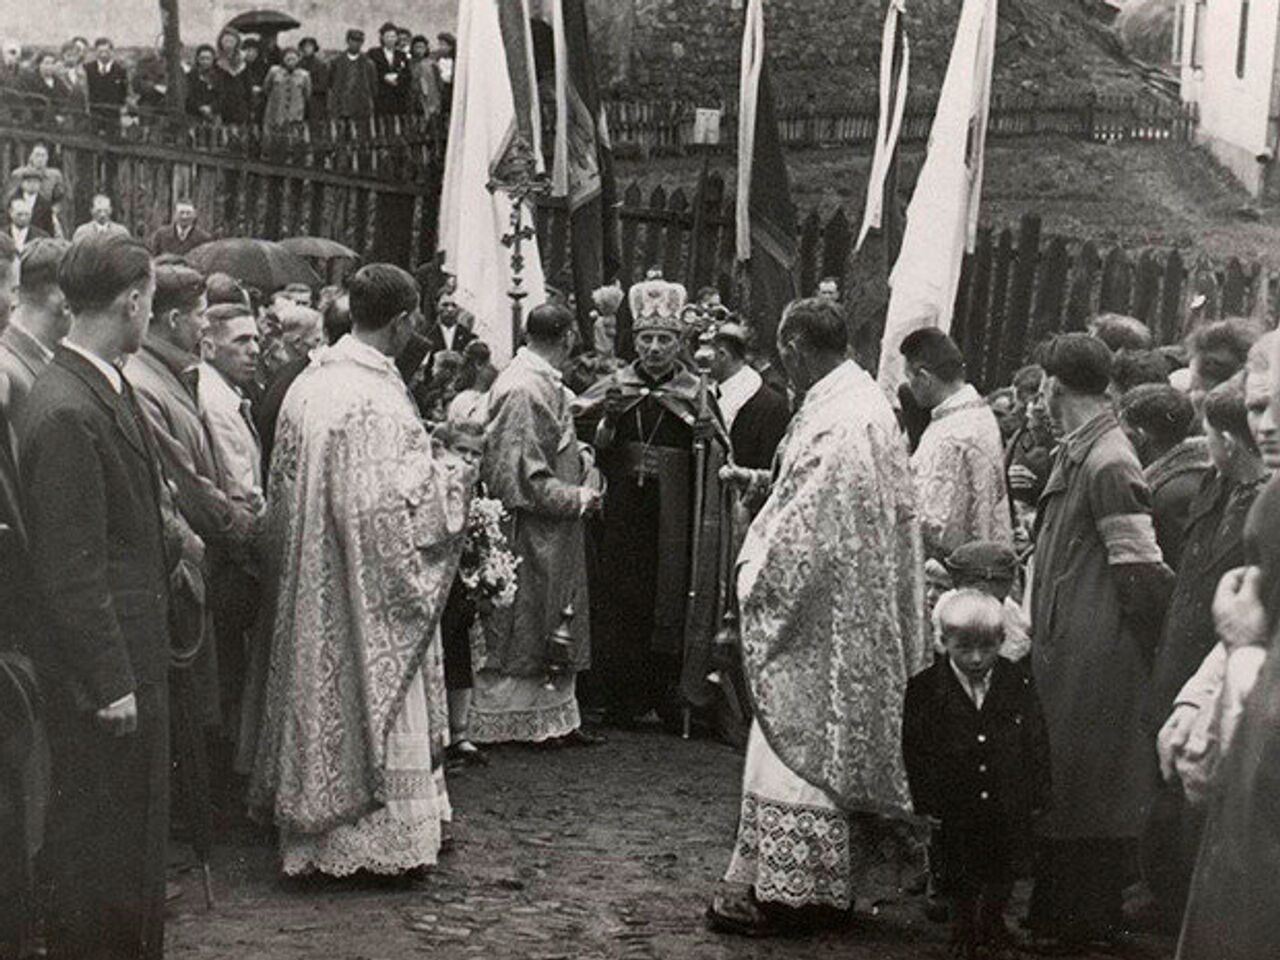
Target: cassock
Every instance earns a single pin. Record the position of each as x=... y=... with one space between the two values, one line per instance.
x=831 y=597
x=363 y=535
x=651 y=647
x=534 y=464
x=959 y=475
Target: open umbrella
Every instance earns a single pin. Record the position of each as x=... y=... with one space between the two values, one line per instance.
x=257 y=263
x=263 y=21
x=319 y=248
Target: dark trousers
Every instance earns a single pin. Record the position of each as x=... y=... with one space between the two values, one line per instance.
x=455 y=638
x=235 y=598
x=1170 y=845
x=108 y=825
x=1079 y=888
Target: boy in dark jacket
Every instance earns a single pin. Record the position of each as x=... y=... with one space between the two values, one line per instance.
x=977 y=756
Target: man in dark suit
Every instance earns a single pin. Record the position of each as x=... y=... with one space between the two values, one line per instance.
x=391 y=95
x=107 y=81
x=41 y=320
x=447 y=334
x=183 y=235
x=91 y=494
x=755 y=413
x=20 y=228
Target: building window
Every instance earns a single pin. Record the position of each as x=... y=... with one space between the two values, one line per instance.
x=1197 y=35
x=1242 y=42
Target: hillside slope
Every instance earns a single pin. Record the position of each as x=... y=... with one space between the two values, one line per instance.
x=829 y=49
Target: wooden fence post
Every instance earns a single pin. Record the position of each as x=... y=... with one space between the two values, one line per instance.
x=1020 y=294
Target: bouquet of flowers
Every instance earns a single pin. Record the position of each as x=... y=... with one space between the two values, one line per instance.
x=488 y=567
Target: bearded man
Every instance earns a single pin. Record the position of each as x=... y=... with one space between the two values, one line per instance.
x=654 y=623
x=830 y=592
x=363 y=534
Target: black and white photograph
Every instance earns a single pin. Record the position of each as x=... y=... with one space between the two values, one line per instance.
x=639 y=479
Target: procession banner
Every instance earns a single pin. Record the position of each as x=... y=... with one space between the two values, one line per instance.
x=766 y=218
x=893 y=97
x=942 y=218
x=494 y=130
x=582 y=167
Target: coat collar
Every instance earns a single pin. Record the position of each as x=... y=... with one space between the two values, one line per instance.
x=1075 y=447
x=102 y=391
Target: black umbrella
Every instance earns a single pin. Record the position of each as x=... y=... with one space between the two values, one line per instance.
x=263 y=21
x=259 y=263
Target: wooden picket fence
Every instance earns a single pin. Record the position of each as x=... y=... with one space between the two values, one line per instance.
x=400 y=149
x=666 y=126
x=1016 y=289
x=378 y=217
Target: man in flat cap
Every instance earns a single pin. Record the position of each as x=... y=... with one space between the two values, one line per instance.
x=353 y=78
x=654 y=624
x=1098 y=599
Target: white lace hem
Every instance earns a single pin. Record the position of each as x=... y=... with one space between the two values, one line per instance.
x=384 y=842
x=521 y=710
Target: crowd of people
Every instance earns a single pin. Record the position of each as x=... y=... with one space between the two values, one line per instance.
x=965 y=639
x=239 y=80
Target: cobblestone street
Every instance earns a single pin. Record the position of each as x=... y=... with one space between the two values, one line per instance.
x=578 y=854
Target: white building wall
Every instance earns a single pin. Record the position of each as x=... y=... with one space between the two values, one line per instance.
x=136 y=23
x=1234 y=110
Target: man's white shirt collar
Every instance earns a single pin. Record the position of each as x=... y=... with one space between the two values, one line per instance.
x=977 y=690
x=108 y=370
x=736 y=391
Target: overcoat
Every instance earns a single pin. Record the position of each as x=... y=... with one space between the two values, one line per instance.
x=91 y=490
x=1088 y=658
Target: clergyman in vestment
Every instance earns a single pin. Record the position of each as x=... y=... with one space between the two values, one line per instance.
x=535 y=465
x=364 y=532
x=830 y=590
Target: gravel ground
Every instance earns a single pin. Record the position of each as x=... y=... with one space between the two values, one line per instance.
x=567 y=855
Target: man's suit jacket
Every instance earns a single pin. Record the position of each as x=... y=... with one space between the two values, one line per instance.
x=41 y=213
x=166 y=240
x=759 y=428
x=86 y=229
x=107 y=89
x=33 y=233
x=185 y=447
x=20 y=363
x=91 y=497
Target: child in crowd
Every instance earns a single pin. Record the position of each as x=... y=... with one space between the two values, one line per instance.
x=977 y=756
x=465 y=440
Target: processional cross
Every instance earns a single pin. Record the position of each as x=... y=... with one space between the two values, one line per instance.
x=517 y=176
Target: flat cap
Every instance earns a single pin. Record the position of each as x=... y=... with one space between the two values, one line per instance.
x=983 y=560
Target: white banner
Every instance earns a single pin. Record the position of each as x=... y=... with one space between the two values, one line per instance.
x=474 y=220
x=943 y=216
x=748 y=91
x=888 y=128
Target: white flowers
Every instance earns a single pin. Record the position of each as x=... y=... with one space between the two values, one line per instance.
x=488 y=567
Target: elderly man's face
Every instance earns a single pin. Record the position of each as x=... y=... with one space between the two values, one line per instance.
x=101 y=210
x=828 y=290
x=184 y=215
x=233 y=348
x=657 y=350
x=19 y=213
